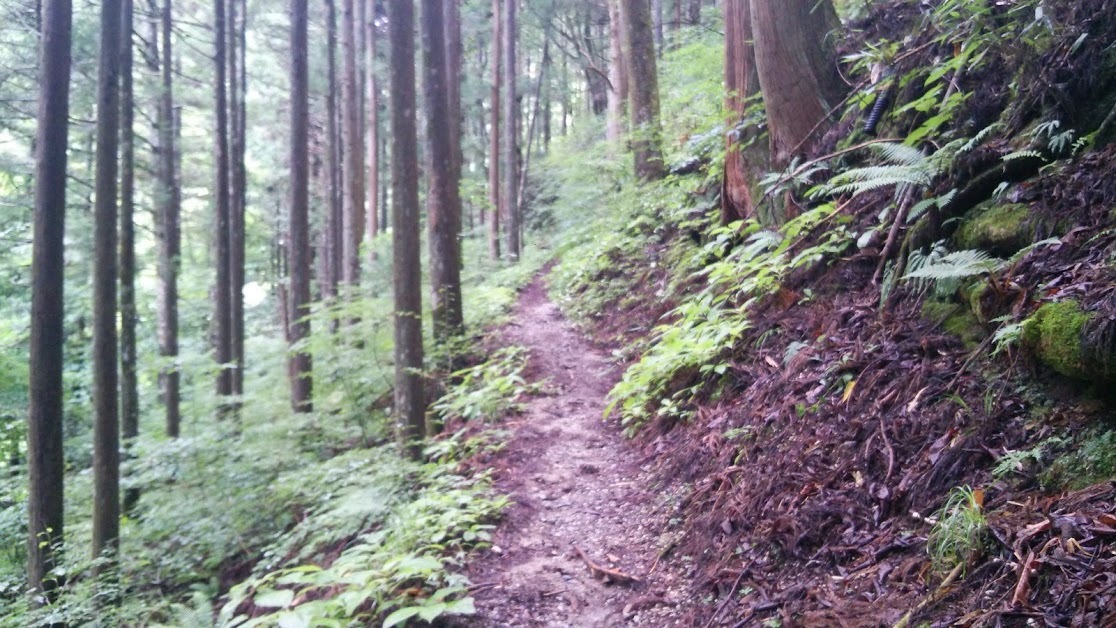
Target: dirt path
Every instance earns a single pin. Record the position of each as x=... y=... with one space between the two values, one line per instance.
x=577 y=485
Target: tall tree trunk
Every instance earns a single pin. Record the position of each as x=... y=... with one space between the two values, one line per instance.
x=352 y=162
x=372 y=146
x=511 y=129
x=695 y=12
x=797 y=71
x=170 y=242
x=442 y=202
x=617 y=74
x=494 y=196
x=643 y=89
x=299 y=249
x=410 y=406
x=45 y=458
x=129 y=387
x=454 y=54
x=223 y=308
x=741 y=83
x=236 y=194
x=334 y=229
x=657 y=15
x=106 y=426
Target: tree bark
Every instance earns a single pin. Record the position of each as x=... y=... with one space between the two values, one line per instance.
x=222 y=307
x=129 y=387
x=442 y=202
x=352 y=162
x=170 y=242
x=106 y=427
x=410 y=406
x=299 y=249
x=236 y=198
x=797 y=71
x=494 y=171
x=617 y=75
x=511 y=129
x=695 y=12
x=334 y=229
x=45 y=459
x=643 y=89
x=741 y=83
x=372 y=101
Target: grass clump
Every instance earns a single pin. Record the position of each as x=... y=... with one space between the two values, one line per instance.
x=957 y=537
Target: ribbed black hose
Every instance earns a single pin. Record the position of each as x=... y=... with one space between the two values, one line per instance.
x=878 y=110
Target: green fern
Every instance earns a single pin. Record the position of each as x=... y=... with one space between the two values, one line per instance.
x=957 y=265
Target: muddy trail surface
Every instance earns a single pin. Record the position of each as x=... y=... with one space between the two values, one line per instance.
x=581 y=544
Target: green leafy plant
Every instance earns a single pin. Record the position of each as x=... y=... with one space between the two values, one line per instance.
x=488 y=391
x=958 y=535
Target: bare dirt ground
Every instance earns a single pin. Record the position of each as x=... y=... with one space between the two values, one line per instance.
x=581 y=545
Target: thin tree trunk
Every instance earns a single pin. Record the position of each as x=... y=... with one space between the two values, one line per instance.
x=657 y=16
x=454 y=54
x=236 y=194
x=352 y=162
x=299 y=250
x=643 y=89
x=617 y=75
x=695 y=12
x=372 y=100
x=223 y=308
x=534 y=123
x=410 y=406
x=511 y=129
x=45 y=458
x=334 y=220
x=129 y=387
x=494 y=196
x=170 y=243
x=106 y=426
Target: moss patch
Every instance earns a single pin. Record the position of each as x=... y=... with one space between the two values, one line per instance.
x=1055 y=333
x=955 y=320
x=1001 y=229
x=1091 y=460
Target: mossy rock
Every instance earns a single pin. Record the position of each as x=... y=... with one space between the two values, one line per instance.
x=955 y=320
x=1055 y=334
x=999 y=228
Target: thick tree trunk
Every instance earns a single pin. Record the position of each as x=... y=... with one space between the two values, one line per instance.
x=106 y=427
x=494 y=197
x=442 y=202
x=45 y=458
x=299 y=249
x=643 y=89
x=617 y=75
x=352 y=162
x=797 y=71
x=741 y=83
x=170 y=242
x=454 y=54
x=511 y=129
x=695 y=12
x=372 y=145
x=410 y=405
x=222 y=306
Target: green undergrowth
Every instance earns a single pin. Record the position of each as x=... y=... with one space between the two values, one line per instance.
x=255 y=502
x=488 y=391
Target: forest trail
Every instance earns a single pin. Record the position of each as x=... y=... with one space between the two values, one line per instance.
x=579 y=494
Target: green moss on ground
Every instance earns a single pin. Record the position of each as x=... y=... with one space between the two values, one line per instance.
x=1092 y=459
x=955 y=320
x=1054 y=334
x=1000 y=229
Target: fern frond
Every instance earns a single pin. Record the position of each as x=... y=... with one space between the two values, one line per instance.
x=957 y=265
x=979 y=138
x=900 y=154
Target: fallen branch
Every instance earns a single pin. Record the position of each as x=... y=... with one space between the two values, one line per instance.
x=604 y=573
x=938 y=594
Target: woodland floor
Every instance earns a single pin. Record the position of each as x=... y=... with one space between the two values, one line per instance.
x=582 y=495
